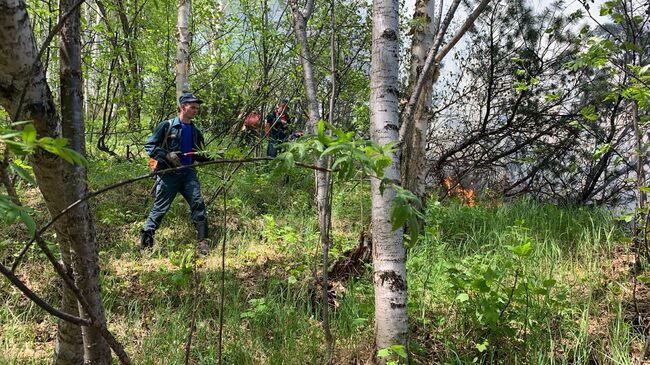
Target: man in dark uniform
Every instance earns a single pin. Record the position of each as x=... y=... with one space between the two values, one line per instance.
x=175 y=143
x=277 y=127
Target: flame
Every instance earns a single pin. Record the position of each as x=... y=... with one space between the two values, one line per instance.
x=467 y=196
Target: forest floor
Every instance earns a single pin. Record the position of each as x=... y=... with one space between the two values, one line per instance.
x=502 y=282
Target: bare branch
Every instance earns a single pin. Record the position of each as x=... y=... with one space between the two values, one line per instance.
x=40 y=302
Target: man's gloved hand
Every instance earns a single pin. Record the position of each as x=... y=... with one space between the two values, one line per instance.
x=174 y=159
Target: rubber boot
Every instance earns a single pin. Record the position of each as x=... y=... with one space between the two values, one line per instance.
x=202 y=237
x=146 y=240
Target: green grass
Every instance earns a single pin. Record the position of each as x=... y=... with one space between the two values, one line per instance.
x=270 y=316
x=579 y=320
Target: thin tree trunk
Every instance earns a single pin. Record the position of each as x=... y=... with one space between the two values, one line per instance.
x=640 y=176
x=414 y=144
x=389 y=255
x=215 y=54
x=91 y=74
x=182 y=48
x=79 y=223
x=129 y=79
x=69 y=348
x=133 y=91
x=413 y=129
x=322 y=178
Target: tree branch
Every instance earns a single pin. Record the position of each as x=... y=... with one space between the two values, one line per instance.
x=40 y=302
x=130 y=181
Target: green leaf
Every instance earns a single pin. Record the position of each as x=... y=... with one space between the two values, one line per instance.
x=522 y=250
x=520 y=86
x=23 y=173
x=540 y=291
x=399 y=350
x=77 y=158
x=60 y=142
x=605 y=10
x=553 y=97
x=382 y=185
x=29 y=222
x=399 y=215
x=340 y=161
x=12 y=213
x=462 y=297
x=627 y=217
x=601 y=151
x=482 y=347
x=589 y=113
x=64 y=154
x=29 y=134
x=322 y=137
x=480 y=285
x=383 y=352
x=618 y=18
x=331 y=149
x=643 y=279
x=10 y=135
x=381 y=162
x=549 y=283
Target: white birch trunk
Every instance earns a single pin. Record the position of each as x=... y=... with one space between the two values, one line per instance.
x=91 y=74
x=300 y=18
x=217 y=17
x=414 y=144
x=389 y=256
x=182 y=48
x=21 y=70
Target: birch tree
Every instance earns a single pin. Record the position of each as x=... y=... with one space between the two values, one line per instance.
x=389 y=256
x=182 y=47
x=322 y=178
x=414 y=144
x=25 y=94
x=415 y=118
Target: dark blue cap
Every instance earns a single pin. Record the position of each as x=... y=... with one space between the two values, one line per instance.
x=187 y=98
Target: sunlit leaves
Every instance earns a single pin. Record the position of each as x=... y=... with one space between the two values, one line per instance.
x=29 y=134
x=350 y=156
x=607 y=7
x=354 y=158
x=604 y=148
x=22 y=143
x=589 y=113
x=598 y=54
x=522 y=250
x=22 y=172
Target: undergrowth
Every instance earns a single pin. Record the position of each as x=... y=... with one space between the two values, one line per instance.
x=499 y=283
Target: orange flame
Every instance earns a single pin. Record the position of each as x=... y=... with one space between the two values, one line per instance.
x=456 y=189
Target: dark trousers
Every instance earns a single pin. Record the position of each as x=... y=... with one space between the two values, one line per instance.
x=184 y=182
x=272 y=149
